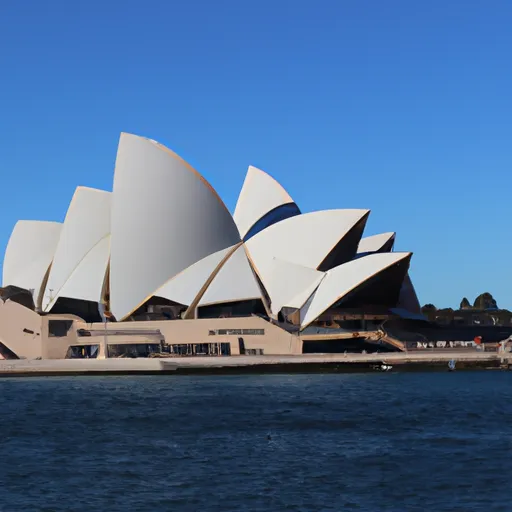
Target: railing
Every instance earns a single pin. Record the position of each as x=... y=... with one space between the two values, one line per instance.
x=120 y=332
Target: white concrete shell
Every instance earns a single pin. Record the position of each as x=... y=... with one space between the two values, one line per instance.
x=305 y=239
x=187 y=285
x=234 y=282
x=306 y=307
x=289 y=284
x=29 y=254
x=343 y=279
x=260 y=194
x=86 y=281
x=81 y=258
x=303 y=296
x=376 y=243
x=165 y=218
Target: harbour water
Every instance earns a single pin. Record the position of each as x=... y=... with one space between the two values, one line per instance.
x=336 y=442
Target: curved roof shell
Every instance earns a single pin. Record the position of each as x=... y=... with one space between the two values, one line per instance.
x=260 y=195
x=185 y=287
x=383 y=242
x=165 y=218
x=290 y=285
x=305 y=240
x=234 y=282
x=81 y=257
x=88 y=279
x=29 y=254
x=347 y=278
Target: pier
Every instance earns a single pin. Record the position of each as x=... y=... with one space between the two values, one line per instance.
x=257 y=364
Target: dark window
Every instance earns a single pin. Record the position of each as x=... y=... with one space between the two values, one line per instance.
x=82 y=352
x=85 y=309
x=59 y=328
x=245 y=308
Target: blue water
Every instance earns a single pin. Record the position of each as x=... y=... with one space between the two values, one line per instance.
x=372 y=442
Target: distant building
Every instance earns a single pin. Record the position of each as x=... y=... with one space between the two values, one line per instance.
x=159 y=264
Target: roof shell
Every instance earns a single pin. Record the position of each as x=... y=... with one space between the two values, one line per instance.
x=260 y=194
x=383 y=242
x=29 y=254
x=81 y=256
x=234 y=282
x=344 y=279
x=289 y=284
x=187 y=285
x=165 y=218
x=87 y=279
x=304 y=240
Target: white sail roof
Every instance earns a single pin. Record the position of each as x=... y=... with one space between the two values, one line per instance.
x=29 y=254
x=187 y=285
x=260 y=194
x=234 y=282
x=306 y=307
x=81 y=258
x=165 y=218
x=86 y=281
x=375 y=243
x=347 y=277
x=288 y=284
x=305 y=239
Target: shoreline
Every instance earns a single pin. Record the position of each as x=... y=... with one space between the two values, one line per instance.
x=314 y=363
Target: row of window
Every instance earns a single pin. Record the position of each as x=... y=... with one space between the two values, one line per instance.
x=147 y=349
x=247 y=332
x=133 y=349
x=201 y=349
x=59 y=328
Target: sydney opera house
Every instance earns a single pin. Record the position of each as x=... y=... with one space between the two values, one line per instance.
x=160 y=266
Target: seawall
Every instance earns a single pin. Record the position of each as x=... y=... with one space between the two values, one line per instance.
x=258 y=364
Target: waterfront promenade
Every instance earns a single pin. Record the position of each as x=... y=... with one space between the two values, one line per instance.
x=305 y=363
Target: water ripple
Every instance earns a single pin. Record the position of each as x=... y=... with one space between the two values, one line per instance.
x=370 y=442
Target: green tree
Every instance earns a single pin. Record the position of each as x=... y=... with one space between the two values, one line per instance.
x=485 y=301
x=465 y=304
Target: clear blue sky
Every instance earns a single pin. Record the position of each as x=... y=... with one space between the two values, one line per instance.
x=403 y=107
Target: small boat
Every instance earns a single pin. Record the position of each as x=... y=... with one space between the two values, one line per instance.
x=383 y=367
